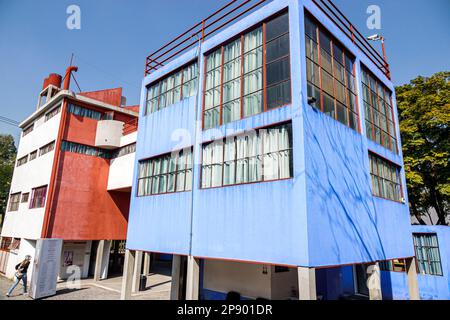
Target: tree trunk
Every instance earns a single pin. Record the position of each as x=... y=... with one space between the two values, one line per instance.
x=416 y=213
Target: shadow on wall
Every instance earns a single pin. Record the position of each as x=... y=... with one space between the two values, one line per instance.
x=339 y=193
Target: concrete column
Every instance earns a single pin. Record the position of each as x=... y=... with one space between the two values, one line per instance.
x=99 y=260
x=192 y=281
x=105 y=260
x=127 y=279
x=147 y=260
x=176 y=273
x=306 y=283
x=374 y=282
x=137 y=271
x=413 y=285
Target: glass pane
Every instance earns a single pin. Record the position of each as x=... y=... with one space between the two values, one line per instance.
x=253 y=104
x=278 y=71
x=277 y=27
x=279 y=95
x=311 y=29
x=277 y=48
x=253 y=39
x=253 y=81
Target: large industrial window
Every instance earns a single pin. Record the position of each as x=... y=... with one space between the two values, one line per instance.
x=249 y=75
x=259 y=155
x=427 y=254
x=330 y=75
x=166 y=174
x=84 y=149
x=84 y=112
x=378 y=111
x=38 y=197
x=47 y=148
x=385 y=178
x=123 y=151
x=14 y=200
x=172 y=89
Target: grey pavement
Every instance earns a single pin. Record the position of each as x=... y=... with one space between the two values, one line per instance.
x=158 y=288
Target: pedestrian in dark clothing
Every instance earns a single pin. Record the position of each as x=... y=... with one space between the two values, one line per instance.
x=21 y=274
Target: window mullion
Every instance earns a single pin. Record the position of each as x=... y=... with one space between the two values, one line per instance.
x=319 y=58
x=221 y=86
x=333 y=79
x=242 y=78
x=182 y=83
x=264 y=58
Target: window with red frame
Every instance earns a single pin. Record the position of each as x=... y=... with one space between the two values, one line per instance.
x=38 y=197
x=248 y=75
x=5 y=244
x=378 y=111
x=14 y=200
x=330 y=75
x=385 y=178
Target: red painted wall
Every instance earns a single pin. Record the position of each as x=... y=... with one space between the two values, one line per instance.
x=109 y=96
x=82 y=207
x=80 y=129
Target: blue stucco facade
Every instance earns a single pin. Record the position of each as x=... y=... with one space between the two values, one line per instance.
x=431 y=287
x=324 y=216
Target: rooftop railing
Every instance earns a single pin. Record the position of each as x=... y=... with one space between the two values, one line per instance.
x=238 y=8
x=341 y=21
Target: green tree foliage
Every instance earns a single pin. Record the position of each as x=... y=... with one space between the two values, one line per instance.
x=7 y=159
x=424 y=114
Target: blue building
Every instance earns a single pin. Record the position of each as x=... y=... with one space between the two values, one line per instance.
x=432 y=250
x=269 y=162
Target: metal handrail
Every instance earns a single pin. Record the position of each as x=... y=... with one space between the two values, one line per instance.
x=344 y=24
x=211 y=25
x=200 y=31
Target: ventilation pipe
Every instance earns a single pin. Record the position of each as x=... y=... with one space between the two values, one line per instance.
x=68 y=75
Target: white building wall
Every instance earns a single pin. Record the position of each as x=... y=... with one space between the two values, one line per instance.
x=27 y=247
x=27 y=223
x=81 y=253
x=121 y=169
x=121 y=172
x=250 y=280
x=128 y=139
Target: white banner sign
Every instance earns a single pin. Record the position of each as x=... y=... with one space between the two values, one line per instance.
x=46 y=268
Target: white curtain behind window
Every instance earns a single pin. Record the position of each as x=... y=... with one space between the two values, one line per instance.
x=230 y=162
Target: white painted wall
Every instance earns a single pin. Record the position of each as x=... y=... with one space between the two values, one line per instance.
x=27 y=247
x=128 y=139
x=109 y=133
x=121 y=172
x=121 y=169
x=245 y=278
x=81 y=253
x=27 y=223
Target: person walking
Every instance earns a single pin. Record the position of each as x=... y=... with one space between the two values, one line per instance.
x=21 y=274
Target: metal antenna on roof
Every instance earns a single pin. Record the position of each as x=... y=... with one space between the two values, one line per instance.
x=71 y=59
x=76 y=82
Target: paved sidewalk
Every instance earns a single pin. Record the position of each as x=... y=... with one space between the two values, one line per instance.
x=158 y=288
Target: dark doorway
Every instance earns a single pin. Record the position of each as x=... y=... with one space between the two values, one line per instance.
x=361 y=280
x=116 y=258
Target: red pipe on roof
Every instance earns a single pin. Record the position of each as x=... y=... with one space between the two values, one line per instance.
x=68 y=75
